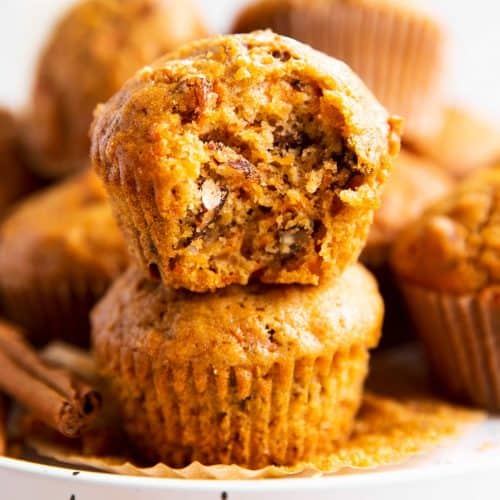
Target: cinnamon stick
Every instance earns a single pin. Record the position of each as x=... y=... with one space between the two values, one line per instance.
x=3 y=425
x=52 y=394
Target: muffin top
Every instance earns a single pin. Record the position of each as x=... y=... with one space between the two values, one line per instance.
x=96 y=46
x=455 y=246
x=464 y=143
x=253 y=325
x=244 y=156
x=413 y=185
x=68 y=225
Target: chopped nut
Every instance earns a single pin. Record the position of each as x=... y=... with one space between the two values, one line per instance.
x=211 y=195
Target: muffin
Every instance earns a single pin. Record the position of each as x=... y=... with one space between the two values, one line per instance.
x=59 y=251
x=16 y=180
x=448 y=265
x=252 y=376
x=396 y=47
x=414 y=184
x=96 y=46
x=244 y=156
x=465 y=142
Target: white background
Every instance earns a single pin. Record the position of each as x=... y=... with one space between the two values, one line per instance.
x=474 y=62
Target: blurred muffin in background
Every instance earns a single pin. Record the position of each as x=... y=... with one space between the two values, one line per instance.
x=59 y=251
x=96 y=46
x=396 y=47
x=15 y=181
x=465 y=142
x=448 y=265
x=414 y=184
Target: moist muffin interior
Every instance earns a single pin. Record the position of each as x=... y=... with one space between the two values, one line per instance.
x=265 y=160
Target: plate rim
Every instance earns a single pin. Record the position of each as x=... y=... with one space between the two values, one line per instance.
x=340 y=481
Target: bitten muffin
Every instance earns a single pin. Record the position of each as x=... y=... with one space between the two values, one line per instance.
x=253 y=376
x=396 y=46
x=244 y=156
x=59 y=251
x=448 y=264
x=96 y=46
x=466 y=142
x=16 y=181
x=414 y=184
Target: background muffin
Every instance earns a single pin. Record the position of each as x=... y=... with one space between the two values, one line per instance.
x=465 y=143
x=448 y=264
x=245 y=156
x=413 y=185
x=395 y=46
x=59 y=251
x=95 y=47
x=16 y=181
x=248 y=375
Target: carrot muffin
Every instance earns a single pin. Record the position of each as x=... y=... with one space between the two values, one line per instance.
x=448 y=264
x=96 y=46
x=59 y=251
x=16 y=181
x=244 y=156
x=396 y=46
x=253 y=376
x=466 y=142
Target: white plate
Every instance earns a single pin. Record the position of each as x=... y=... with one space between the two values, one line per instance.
x=466 y=470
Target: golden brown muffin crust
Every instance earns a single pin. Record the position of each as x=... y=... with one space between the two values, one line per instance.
x=244 y=156
x=253 y=325
x=96 y=46
x=455 y=246
x=414 y=184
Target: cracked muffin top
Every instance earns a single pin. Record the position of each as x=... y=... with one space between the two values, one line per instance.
x=455 y=246
x=414 y=184
x=244 y=156
x=96 y=46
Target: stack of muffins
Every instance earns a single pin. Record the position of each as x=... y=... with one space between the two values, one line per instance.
x=244 y=171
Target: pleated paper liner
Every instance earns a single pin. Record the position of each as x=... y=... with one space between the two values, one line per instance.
x=183 y=413
x=398 y=51
x=386 y=432
x=462 y=339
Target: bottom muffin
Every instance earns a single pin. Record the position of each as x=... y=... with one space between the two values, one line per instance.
x=59 y=251
x=253 y=375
